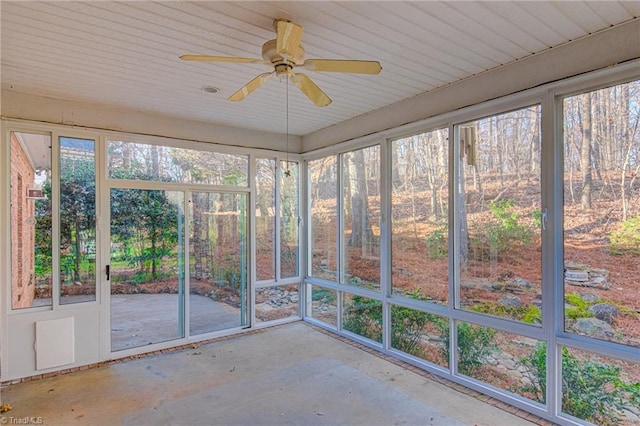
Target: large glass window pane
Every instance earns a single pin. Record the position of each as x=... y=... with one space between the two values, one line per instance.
x=505 y=360
x=476 y=346
x=276 y=302
x=322 y=304
x=217 y=261
x=499 y=218
x=362 y=316
x=127 y=160
x=361 y=217
x=289 y=214
x=420 y=334
x=146 y=267
x=602 y=213
x=265 y=219
x=31 y=231
x=600 y=389
x=419 y=213
x=323 y=196
x=77 y=220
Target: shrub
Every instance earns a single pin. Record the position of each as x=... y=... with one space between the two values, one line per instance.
x=364 y=317
x=506 y=232
x=533 y=315
x=475 y=344
x=530 y=314
x=407 y=326
x=323 y=294
x=627 y=237
x=579 y=308
x=42 y=265
x=437 y=244
x=591 y=390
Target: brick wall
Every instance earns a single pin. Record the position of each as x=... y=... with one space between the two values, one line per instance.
x=22 y=234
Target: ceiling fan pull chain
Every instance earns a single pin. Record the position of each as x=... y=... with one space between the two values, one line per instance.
x=287 y=172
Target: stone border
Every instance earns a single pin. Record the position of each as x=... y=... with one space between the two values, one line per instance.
x=458 y=387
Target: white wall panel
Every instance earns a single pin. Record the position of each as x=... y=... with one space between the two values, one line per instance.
x=55 y=343
x=19 y=354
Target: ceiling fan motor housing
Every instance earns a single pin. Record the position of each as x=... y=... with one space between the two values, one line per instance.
x=286 y=52
x=271 y=56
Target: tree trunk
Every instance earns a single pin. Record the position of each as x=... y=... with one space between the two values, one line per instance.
x=200 y=232
x=76 y=258
x=626 y=132
x=154 y=250
x=464 y=232
x=155 y=161
x=361 y=231
x=585 y=153
x=346 y=185
x=396 y=181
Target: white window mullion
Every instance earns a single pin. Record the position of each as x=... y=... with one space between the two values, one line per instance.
x=103 y=248
x=251 y=205
x=186 y=273
x=454 y=217
x=340 y=251
x=552 y=254
x=278 y=216
x=55 y=219
x=385 y=239
x=454 y=248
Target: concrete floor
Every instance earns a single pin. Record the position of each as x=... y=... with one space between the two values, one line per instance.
x=287 y=375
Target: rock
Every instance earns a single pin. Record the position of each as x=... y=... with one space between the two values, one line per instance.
x=602 y=273
x=604 y=312
x=589 y=297
x=593 y=327
x=601 y=285
x=479 y=283
x=356 y=281
x=510 y=301
x=403 y=271
x=521 y=282
x=570 y=264
x=631 y=417
x=574 y=275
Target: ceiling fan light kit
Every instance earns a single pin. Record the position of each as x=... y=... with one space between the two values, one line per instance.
x=286 y=52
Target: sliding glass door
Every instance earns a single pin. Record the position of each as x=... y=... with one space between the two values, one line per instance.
x=217 y=261
x=146 y=268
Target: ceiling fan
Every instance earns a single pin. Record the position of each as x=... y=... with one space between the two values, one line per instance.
x=285 y=53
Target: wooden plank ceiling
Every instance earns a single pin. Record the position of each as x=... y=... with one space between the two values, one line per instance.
x=125 y=54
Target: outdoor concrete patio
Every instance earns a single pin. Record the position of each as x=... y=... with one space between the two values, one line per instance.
x=143 y=319
x=287 y=375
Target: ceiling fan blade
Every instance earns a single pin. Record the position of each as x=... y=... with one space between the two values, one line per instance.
x=310 y=89
x=207 y=58
x=340 y=65
x=251 y=86
x=289 y=37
